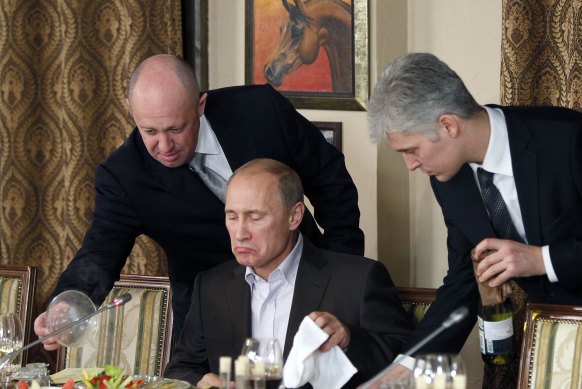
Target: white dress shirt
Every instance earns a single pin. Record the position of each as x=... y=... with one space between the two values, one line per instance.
x=208 y=144
x=271 y=299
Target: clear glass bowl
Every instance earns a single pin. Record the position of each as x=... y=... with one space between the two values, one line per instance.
x=66 y=308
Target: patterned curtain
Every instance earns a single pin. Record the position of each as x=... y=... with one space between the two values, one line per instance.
x=64 y=66
x=542 y=53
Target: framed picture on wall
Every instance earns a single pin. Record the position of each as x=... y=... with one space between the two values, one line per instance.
x=332 y=132
x=314 y=52
x=195 y=37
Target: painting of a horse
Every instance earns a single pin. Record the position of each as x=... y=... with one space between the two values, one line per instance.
x=310 y=26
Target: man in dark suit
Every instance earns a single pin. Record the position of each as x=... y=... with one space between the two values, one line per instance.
x=426 y=113
x=148 y=186
x=350 y=297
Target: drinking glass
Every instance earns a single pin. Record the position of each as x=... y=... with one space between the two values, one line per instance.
x=431 y=371
x=457 y=375
x=10 y=339
x=439 y=371
x=273 y=358
x=66 y=308
x=250 y=348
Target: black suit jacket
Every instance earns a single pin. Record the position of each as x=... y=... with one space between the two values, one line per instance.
x=137 y=195
x=546 y=154
x=357 y=290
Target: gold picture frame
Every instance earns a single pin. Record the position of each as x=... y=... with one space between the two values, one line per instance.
x=273 y=31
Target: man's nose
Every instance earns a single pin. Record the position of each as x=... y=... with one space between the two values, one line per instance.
x=242 y=232
x=411 y=161
x=165 y=142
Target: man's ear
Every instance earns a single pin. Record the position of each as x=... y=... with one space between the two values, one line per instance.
x=296 y=215
x=449 y=124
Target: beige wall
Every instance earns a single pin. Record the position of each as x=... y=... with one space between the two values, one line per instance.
x=396 y=206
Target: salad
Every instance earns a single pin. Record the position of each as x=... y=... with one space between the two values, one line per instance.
x=111 y=377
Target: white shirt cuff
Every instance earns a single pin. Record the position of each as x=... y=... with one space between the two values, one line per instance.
x=406 y=361
x=548 y=264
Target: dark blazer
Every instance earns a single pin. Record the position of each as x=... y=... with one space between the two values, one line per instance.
x=357 y=290
x=546 y=154
x=137 y=195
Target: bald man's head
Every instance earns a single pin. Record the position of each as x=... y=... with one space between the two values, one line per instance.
x=163 y=67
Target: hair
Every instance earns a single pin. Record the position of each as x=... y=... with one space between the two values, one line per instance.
x=290 y=187
x=181 y=69
x=413 y=92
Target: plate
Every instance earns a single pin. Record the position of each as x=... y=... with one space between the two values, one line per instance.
x=165 y=383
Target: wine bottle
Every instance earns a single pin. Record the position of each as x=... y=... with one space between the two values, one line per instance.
x=496 y=336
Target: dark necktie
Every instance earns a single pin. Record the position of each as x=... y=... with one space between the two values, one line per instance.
x=498 y=213
x=503 y=376
x=211 y=179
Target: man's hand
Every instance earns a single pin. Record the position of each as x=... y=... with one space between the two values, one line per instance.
x=339 y=334
x=212 y=380
x=489 y=295
x=510 y=259
x=41 y=330
x=398 y=373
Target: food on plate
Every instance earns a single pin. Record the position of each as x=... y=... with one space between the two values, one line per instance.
x=111 y=377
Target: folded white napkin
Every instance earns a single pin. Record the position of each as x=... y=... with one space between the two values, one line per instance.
x=329 y=370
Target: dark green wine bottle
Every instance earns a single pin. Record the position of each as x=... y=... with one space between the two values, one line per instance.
x=496 y=336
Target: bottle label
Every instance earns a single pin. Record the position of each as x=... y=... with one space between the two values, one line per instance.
x=495 y=337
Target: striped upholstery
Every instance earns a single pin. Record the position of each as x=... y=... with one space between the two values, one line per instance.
x=136 y=336
x=10 y=294
x=17 y=289
x=552 y=347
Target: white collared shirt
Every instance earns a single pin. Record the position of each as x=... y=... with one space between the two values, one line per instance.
x=208 y=144
x=498 y=161
x=271 y=299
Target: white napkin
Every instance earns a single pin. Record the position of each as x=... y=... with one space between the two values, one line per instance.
x=329 y=370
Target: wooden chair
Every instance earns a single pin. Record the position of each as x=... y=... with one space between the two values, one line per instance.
x=136 y=336
x=551 y=347
x=17 y=289
x=416 y=301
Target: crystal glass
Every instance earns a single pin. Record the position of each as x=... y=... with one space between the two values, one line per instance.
x=431 y=371
x=439 y=371
x=11 y=339
x=66 y=308
x=273 y=357
x=458 y=374
x=250 y=348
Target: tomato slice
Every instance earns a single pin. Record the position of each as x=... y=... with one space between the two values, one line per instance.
x=69 y=384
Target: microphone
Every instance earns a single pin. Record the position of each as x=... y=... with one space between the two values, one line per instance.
x=455 y=317
x=117 y=302
x=120 y=300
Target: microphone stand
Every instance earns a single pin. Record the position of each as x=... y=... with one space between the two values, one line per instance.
x=455 y=317
x=118 y=301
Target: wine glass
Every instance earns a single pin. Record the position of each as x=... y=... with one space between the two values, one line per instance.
x=440 y=371
x=250 y=348
x=457 y=374
x=431 y=371
x=273 y=358
x=66 y=308
x=10 y=339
